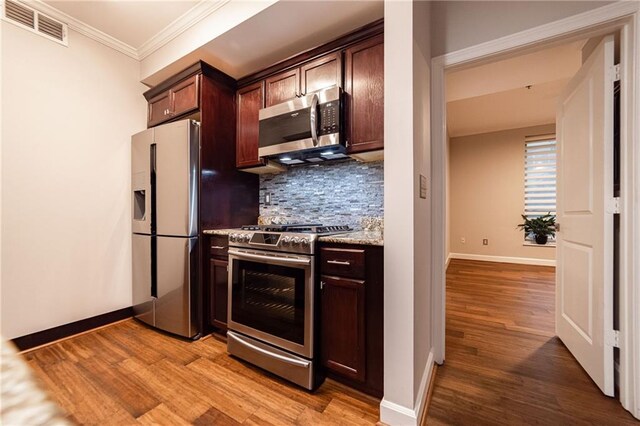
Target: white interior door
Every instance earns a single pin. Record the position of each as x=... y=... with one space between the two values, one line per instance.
x=584 y=274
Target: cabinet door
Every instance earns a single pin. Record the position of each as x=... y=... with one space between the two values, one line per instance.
x=283 y=87
x=364 y=87
x=185 y=96
x=250 y=100
x=321 y=74
x=218 y=291
x=159 y=109
x=343 y=326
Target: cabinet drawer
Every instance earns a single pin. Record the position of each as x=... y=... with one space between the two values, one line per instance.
x=219 y=246
x=348 y=263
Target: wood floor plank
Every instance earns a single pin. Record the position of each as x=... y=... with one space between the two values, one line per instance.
x=161 y=415
x=245 y=388
x=131 y=374
x=183 y=402
x=503 y=363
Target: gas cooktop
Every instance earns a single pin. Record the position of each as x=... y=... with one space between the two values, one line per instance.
x=302 y=228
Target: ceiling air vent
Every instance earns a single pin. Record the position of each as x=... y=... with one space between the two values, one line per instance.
x=39 y=23
x=20 y=14
x=51 y=27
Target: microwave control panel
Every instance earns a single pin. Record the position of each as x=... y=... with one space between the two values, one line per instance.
x=329 y=118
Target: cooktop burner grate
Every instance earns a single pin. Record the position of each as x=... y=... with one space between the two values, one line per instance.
x=314 y=228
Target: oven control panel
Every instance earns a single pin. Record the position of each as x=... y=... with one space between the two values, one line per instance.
x=276 y=241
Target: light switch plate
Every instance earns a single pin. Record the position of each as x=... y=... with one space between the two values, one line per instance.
x=423 y=186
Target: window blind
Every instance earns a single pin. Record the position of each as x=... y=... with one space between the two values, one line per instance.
x=540 y=175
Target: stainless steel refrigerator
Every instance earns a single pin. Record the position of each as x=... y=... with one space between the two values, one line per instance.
x=164 y=180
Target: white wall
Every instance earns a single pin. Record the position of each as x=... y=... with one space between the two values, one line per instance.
x=487 y=194
x=460 y=24
x=68 y=114
x=423 y=359
x=407 y=331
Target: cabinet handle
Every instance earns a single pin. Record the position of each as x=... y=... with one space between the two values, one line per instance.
x=322 y=284
x=218 y=247
x=339 y=262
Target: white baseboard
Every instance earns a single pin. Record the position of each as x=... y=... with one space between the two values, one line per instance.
x=398 y=415
x=503 y=259
x=446 y=264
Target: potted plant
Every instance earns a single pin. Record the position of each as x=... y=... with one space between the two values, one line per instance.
x=541 y=227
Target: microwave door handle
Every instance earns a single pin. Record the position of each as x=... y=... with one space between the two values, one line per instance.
x=313 y=119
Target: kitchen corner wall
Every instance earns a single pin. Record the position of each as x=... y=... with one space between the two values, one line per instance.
x=68 y=116
x=332 y=193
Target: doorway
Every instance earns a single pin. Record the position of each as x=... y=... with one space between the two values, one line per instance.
x=501 y=292
x=523 y=43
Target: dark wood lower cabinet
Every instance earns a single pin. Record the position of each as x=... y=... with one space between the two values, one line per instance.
x=215 y=272
x=351 y=319
x=219 y=290
x=343 y=319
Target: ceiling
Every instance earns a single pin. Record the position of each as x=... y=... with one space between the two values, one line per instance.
x=131 y=22
x=493 y=96
x=281 y=30
x=301 y=25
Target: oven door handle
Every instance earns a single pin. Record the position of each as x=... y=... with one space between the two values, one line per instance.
x=289 y=260
x=304 y=364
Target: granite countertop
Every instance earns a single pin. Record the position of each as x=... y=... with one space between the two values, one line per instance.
x=218 y=231
x=370 y=238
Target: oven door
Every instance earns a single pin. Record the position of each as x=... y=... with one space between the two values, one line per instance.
x=271 y=298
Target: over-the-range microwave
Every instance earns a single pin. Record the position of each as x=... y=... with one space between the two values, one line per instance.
x=305 y=129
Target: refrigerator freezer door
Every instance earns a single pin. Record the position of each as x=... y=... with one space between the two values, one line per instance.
x=177 y=278
x=142 y=299
x=141 y=181
x=177 y=147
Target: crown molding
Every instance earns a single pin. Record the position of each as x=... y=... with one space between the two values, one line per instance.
x=190 y=18
x=83 y=28
x=185 y=21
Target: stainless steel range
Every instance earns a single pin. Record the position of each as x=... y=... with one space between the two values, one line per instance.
x=272 y=296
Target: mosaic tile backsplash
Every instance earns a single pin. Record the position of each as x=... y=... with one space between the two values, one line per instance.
x=332 y=193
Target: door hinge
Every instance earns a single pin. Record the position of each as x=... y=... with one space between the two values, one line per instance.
x=616 y=72
x=614 y=339
x=613 y=206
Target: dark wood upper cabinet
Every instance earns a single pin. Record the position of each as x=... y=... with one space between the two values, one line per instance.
x=361 y=52
x=185 y=96
x=322 y=73
x=249 y=100
x=180 y=99
x=159 y=109
x=364 y=89
x=282 y=87
x=343 y=326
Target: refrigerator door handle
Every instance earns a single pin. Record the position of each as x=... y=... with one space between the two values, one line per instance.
x=154 y=241
x=152 y=168
x=154 y=267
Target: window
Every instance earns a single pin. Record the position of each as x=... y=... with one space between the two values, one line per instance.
x=540 y=175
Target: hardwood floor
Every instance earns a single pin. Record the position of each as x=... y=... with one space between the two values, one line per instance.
x=503 y=364
x=129 y=374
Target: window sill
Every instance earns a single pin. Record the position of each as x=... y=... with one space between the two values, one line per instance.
x=534 y=244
